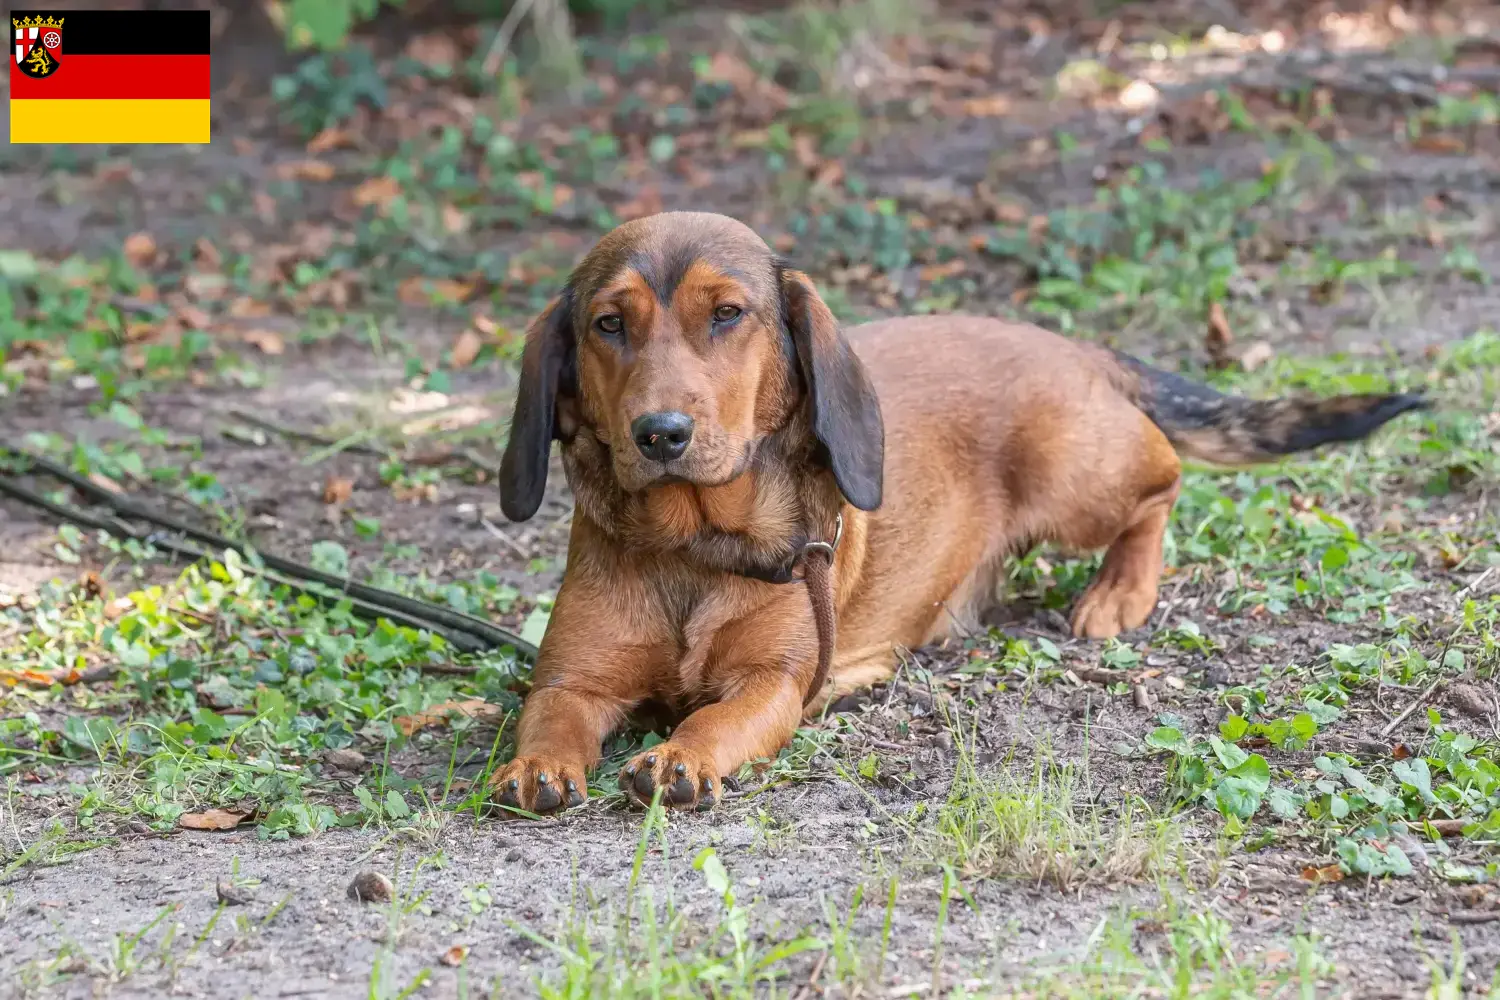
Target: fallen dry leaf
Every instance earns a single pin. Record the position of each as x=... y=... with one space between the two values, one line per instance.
x=205 y=253
x=267 y=341
x=338 y=490
x=1400 y=751
x=473 y=708
x=331 y=138
x=1219 y=337
x=137 y=332
x=38 y=678
x=465 y=349
x=1256 y=355
x=455 y=956
x=377 y=191
x=1438 y=143
x=648 y=202
x=245 y=307
x=265 y=207
x=102 y=481
x=1012 y=212
x=1318 y=876
x=1138 y=95
x=140 y=249
x=436 y=51
x=213 y=819
x=205 y=285
x=1446 y=827
x=427 y=291
x=993 y=106
x=935 y=272
x=416 y=493
x=448 y=420
x=305 y=170
x=455 y=220
x=193 y=317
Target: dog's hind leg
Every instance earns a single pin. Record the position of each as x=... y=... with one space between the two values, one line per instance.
x=1115 y=491
x=1123 y=593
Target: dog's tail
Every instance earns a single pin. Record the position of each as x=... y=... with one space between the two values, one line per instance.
x=1230 y=430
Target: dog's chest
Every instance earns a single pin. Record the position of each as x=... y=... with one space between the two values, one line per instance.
x=698 y=611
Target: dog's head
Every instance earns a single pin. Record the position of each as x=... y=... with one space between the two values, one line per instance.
x=680 y=343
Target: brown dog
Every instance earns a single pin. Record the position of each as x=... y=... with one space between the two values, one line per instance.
x=714 y=420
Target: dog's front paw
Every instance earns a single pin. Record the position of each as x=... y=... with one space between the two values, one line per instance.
x=686 y=777
x=538 y=784
x=1110 y=607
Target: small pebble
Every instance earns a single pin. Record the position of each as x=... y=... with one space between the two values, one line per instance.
x=372 y=887
x=234 y=895
x=345 y=760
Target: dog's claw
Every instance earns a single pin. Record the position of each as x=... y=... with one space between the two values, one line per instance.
x=706 y=798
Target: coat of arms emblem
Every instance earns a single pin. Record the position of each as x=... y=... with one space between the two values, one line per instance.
x=38 y=44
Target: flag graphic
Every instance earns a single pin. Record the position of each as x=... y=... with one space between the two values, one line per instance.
x=109 y=76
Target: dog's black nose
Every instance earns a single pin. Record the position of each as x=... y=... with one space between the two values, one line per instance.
x=662 y=437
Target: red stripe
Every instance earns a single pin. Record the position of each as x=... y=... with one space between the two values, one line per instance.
x=121 y=77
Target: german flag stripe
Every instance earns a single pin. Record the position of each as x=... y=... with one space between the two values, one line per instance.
x=110 y=121
x=117 y=77
x=127 y=32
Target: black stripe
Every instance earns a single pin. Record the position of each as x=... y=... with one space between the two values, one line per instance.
x=126 y=32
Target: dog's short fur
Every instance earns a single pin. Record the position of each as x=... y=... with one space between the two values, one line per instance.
x=947 y=443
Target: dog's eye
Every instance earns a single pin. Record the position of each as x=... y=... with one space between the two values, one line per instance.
x=727 y=314
x=609 y=325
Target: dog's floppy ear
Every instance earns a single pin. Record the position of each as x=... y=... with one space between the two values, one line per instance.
x=845 y=410
x=546 y=362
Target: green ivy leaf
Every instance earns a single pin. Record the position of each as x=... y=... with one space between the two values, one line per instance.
x=1229 y=755
x=1168 y=738
x=1234 y=728
x=1415 y=774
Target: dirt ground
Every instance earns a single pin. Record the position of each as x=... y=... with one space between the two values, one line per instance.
x=1007 y=113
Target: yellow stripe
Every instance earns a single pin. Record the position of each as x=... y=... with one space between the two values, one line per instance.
x=109 y=121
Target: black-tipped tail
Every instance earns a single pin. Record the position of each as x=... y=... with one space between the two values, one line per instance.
x=1230 y=430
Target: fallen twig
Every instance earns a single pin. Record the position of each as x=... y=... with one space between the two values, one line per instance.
x=1474 y=586
x=1417 y=703
x=497 y=50
x=466 y=632
x=1474 y=917
x=812 y=977
x=297 y=434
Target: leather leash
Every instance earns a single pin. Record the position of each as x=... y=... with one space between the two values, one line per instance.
x=817 y=572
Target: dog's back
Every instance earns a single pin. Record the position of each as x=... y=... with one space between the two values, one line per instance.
x=1000 y=435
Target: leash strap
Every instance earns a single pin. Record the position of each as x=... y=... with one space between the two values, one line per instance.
x=817 y=572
